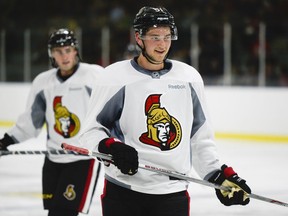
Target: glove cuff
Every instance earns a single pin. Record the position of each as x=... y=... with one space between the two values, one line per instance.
x=110 y=141
x=220 y=175
x=105 y=145
x=228 y=171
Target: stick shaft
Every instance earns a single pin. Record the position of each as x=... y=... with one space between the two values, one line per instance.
x=38 y=152
x=169 y=173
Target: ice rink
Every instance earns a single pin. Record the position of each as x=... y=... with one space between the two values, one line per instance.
x=263 y=165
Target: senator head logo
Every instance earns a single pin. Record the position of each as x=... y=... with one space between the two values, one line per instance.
x=67 y=124
x=70 y=193
x=163 y=130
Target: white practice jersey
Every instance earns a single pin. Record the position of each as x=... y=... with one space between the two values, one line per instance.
x=162 y=114
x=61 y=105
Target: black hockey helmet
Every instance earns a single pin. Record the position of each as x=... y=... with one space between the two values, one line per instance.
x=59 y=38
x=152 y=17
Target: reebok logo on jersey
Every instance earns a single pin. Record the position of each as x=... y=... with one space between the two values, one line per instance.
x=170 y=86
x=75 y=89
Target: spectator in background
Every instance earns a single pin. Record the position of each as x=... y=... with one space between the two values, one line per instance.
x=59 y=97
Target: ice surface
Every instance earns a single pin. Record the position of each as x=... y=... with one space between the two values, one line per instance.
x=263 y=165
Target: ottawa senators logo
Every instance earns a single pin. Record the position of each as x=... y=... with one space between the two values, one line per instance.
x=163 y=130
x=70 y=193
x=67 y=124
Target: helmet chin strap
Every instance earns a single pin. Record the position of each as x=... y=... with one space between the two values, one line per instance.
x=149 y=59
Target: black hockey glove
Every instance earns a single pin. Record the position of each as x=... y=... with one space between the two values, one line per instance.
x=124 y=156
x=5 y=142
x=227 y=177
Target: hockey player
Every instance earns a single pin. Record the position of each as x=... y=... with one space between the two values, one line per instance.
x=152 y=110
x=59 y=97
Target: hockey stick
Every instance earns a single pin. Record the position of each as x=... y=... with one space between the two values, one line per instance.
x=168 y=173
x=37 y=152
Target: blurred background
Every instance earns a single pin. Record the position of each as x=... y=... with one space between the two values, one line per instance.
x=239 y=42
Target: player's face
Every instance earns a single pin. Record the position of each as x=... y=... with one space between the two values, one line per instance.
x=65 y=58
x=156 y=42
